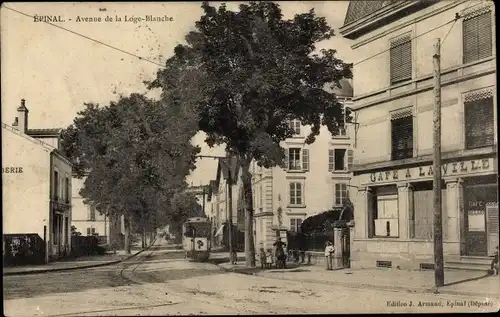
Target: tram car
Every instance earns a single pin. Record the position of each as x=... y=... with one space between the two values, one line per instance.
x=196 y=242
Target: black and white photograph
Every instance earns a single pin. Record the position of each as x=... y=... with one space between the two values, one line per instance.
x=255 y=158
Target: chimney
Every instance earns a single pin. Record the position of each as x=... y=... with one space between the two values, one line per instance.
x=22 y=114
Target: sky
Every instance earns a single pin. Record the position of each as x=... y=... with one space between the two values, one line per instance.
x=57 y=71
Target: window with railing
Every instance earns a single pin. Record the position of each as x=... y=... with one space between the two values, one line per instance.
x=477 y=35
x=402 y=136
x=479 y=120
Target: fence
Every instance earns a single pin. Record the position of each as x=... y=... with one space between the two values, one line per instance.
x=20 y=249
x=314 y=241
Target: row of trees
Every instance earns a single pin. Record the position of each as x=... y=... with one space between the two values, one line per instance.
x=240 y=78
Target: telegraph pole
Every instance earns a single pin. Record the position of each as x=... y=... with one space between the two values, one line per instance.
x=438 y=221
x=230 y=212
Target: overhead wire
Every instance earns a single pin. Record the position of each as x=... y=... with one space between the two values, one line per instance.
x=90 y=38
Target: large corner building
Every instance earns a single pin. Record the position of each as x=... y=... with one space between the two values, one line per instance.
x=394 y=102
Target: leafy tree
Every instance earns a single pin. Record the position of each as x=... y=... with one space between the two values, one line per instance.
x=183 y=206
x=249 y=73
x=135 y=155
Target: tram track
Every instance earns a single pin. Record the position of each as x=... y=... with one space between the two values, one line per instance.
x=144 y=278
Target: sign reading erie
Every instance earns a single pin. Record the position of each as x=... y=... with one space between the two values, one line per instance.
x=421 y=172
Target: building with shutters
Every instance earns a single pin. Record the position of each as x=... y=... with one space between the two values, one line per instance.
x=393 y=149
x=228 y=176
x=36 y=185
x=315 y=179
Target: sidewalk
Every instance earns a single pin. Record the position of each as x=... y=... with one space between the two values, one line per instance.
x=76 y=263
x=471 y=283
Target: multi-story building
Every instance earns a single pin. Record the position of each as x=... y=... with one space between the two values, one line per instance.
x=394 y=142
x=315 y=179
x=36 y=184
x=88 y=221
x=218 y=200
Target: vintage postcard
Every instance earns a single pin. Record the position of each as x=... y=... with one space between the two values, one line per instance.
x=299 y=157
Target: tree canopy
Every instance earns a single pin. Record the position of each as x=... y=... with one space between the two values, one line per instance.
x=134 y=154
x=250 y=73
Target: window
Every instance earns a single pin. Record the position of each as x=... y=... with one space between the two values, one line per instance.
x=90 y=231
x=402 y=136
x=340 y=159
x=341 y=194
x=56 y=185
x=91 y=214
x=477 y=35
x=421 y=211
x=297 y=159
x=261 y=197
x=295 y=224
x=296 y=193
x=386 y=214
x=479 y=121
x=400 y=59
x=342 y=132
x=66 y=189
x=295 y=125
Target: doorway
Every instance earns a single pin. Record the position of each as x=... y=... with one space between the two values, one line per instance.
x=480 y=219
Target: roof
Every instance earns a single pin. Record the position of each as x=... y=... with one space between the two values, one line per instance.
x=359 y=9
x=222 y=169
x=345 y=90
x=45 y=132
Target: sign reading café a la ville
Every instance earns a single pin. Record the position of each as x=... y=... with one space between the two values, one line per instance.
x=460 y=168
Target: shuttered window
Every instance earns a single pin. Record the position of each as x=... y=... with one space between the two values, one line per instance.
x=331 y=158
x=294 y=159
x=340 y=159
x=350 y=159
x=401 y=59
x=477 y=35
x=402 y=136
x=305 y=159
x=479 y=121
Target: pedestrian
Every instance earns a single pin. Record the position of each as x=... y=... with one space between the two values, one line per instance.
x=494 y=262
x=263 y=258
x=269 y=258
x=234 y=255
x=280 y=253
x=329 y=250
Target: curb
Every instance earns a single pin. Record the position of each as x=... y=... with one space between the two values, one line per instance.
x=365 y=286
x=89 y=266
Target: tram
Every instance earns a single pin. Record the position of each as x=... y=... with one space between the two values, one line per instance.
x=196 y=242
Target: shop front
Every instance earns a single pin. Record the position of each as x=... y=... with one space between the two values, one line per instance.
x=395 y=214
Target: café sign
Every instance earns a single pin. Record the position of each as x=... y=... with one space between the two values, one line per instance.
x=426 y=172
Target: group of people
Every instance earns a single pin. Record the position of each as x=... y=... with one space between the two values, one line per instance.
x=278 y=255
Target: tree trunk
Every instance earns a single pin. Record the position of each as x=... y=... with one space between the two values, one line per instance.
x=144 y=242
x=247 y=188
x=127 y=235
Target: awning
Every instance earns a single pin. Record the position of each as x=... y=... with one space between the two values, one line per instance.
x=219 y=231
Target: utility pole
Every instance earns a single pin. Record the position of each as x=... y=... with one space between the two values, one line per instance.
x=438 y=221
x=203 y=200
x=230 y=212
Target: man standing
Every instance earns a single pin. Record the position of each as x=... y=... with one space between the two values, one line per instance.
x=329 y=250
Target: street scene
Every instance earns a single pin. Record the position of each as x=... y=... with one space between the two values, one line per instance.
x=186 y=158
